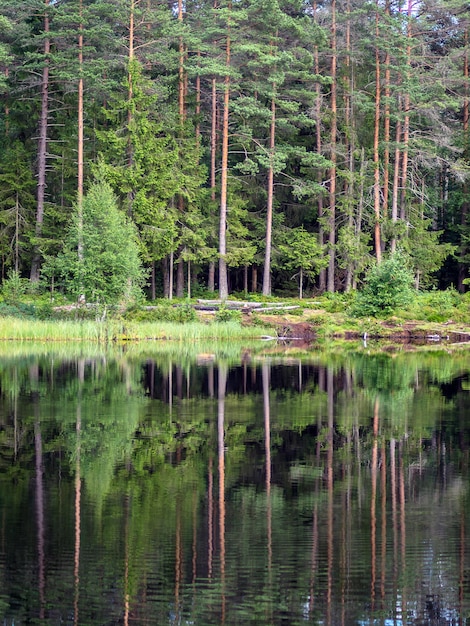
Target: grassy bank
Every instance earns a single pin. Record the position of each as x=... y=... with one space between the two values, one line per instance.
x=318 y=319
x=108 y=331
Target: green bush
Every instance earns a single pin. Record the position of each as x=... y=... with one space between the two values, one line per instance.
x=388 y=286
x=336 y=302
x=14 y=287
x=162 y=313
x=224 y=314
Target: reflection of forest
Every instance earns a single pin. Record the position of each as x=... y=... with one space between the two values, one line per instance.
x=147 y=490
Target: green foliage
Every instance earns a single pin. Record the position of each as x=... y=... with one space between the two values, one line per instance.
x=100 y=254
x=301 y=251
x=436 y=306
x=224 y=314
x=388 y=285
x=14 y=287
x=164 y=312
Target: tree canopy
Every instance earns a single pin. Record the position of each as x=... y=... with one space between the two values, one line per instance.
x=226 y=130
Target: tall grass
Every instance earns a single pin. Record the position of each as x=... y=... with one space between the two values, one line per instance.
x=118 y=331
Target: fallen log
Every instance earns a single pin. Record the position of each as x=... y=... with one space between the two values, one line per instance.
x=278 y=308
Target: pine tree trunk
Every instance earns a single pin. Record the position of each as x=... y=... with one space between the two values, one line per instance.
x=130 y=95
x=387 y=91
x=319 y=148
x=42 y=150
x=396 y=182
x=332 y=191
x=465 y=204
x=406 y=120
x=165 y=265
x=377 y=238
x=223 y=278
x=254 y=279
x=269 y=208
x=180 y=278
x=80 y=138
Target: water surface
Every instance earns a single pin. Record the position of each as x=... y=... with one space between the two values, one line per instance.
x=163 y=489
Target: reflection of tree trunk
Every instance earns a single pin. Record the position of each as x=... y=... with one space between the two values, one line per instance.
x=221 y=458
x=40 y=509
x=78 y=490
x=126 y=560
x=329 y=469
x=393 y=491
x=462 y=560
x=402 y=527
x=267 y=444
x=384 y=524
x=210 y=519
x=178 y=560
x=373 y=498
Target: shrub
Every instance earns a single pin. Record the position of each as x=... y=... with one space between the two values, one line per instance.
x=224 y=314
x=14 y=287
x=388 y=286
x=162 y=313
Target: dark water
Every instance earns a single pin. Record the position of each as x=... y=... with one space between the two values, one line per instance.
x=157 y=489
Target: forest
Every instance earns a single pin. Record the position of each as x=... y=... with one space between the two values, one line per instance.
x=245 y=146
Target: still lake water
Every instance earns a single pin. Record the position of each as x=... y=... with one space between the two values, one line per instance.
x=168 y=489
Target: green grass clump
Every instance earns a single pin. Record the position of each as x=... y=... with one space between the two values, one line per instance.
x=13 y=328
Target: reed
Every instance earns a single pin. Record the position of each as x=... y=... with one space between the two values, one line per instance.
x=120 y=331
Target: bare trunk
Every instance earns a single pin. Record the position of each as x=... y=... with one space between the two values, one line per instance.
x=269 y=209
x=254 y=279
x=377 y=239
x=465 y=204
x=80 y=139
x=153 y=293
x=319 y=147
x=332 y=194
x=406 y=121
x=180 y=278
x=386 y=126
x=396 y=184
x=42 y=151
x=171 y=273
x=130 y=95
x=223 y=278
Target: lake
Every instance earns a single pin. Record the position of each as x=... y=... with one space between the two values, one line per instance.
x=242 y=486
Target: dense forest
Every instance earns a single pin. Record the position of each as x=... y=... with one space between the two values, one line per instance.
x=249 y=145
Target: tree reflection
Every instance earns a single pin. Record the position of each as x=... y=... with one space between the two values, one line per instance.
x=341 y=491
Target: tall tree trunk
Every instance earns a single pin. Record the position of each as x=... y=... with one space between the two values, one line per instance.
x=180 y=278
x=387 y=90
x=406 y=119
x=42 y=149
x=223 y=278
x=213 y=166
x=396 y=181
x=269 y=208
x=130 y=95
x=377 y=238
x=319 y=147
x=332 y=191
x=465 y=204
x=80 y=137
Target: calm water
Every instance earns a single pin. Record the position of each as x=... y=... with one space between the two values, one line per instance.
x=176 y=489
